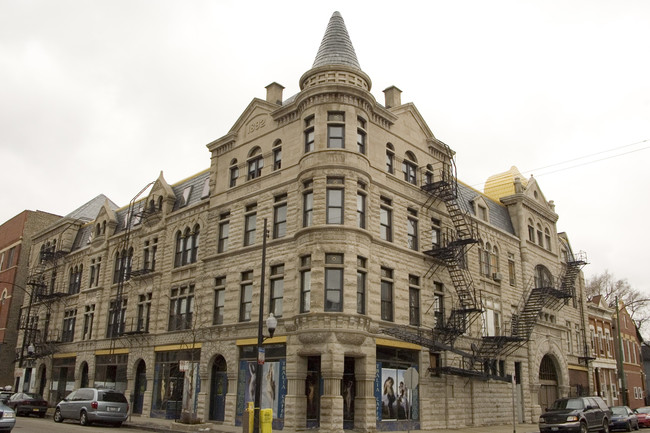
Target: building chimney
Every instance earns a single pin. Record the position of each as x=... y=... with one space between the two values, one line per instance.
x=274 y=93
x=393 y=97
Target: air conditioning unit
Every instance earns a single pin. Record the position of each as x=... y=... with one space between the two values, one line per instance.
x=496 y=276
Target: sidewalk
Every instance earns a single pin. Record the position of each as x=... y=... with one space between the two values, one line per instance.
x=166 y=425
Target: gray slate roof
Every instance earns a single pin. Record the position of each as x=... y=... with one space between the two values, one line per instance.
x=499 y=215
x=336 y=47
x=89 y=210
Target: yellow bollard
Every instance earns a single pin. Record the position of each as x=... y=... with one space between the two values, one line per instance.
x=266 y=420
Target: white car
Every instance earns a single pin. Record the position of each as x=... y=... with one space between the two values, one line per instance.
x=7 y=418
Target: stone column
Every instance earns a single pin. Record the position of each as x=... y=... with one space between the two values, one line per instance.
x=231 y=396
x=331 y=402
x=295 y=403
x=365 y=404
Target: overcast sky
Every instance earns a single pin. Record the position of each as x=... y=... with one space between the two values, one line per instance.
x=100 y=96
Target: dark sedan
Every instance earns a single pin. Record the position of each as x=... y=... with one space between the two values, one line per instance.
x=28 y=403
x=623 y=418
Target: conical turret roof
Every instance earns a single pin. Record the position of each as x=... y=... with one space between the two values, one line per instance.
x=336 y=47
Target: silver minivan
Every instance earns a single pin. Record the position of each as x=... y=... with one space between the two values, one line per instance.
x=90 y=405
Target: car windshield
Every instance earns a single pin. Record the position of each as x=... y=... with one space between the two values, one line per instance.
x=114 y=397
x=618 y=410
x=645 y=409
x=573 y=403
x=31 y=396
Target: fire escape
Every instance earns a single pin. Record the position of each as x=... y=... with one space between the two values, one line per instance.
x=451 y=251
x=43 y=293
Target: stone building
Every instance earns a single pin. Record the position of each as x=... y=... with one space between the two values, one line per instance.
x=15 y=244
x=376 y=263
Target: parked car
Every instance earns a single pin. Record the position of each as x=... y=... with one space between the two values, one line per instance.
x=90 y=405
x=623 y=418
x=576 y=414
x=7 y=418
x=643 y=416
x=28 y=403
x=4 y=396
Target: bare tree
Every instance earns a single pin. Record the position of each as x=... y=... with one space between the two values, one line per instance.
x=606 y=284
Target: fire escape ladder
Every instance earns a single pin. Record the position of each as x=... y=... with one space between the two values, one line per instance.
x=574 y=265
x=451 y=250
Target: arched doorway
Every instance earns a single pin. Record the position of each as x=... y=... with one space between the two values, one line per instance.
x=84 y=375
x=218 y=389
x=140 y=386
x=547 y=382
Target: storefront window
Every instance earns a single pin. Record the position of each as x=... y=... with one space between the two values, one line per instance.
x=395 y=402
x=169 y=382
x=110 y=371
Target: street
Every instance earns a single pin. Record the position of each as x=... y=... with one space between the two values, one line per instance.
x=38 y=425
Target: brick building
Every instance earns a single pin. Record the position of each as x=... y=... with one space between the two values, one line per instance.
x=377 y=260
x=628 y=347
x=603 y=349
x=15 y=244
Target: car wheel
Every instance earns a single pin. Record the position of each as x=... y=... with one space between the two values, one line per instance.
x=57 y=415
x=83 y=418
x=605 y=428
x=583 y=427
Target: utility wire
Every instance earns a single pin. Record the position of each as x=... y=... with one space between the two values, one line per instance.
x=583 y=157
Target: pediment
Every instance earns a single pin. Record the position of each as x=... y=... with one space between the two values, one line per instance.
x=534 y=193
x=255 y=120
x=410 y=119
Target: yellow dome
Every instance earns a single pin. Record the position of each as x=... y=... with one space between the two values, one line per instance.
x=503 y=184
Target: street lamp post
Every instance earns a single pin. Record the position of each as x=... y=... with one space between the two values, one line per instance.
x=271 y=324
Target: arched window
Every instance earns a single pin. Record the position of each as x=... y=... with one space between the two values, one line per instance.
x=487 y=260
x=255 y=163
x=409 y=168
x=543 y=277
x=195 y=244
x=178 y=256
x=494 y=260
x=187 y=247
x=531 y=230
x=390 y=158
x=540 y=237
x=547 y=238
x=277 y=155
x=160 y=202
x=98 y=230
x=428 y=176
x=234 y=173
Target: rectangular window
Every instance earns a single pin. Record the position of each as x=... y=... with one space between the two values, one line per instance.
x=362 y=271
x=386 y=220
x=280 y=216
x=307 y=204
x=438 y=305
x=246 y=296
x=309 y=134
x=335 y=200
x=361 y=205
x=435 y=233
x=531 y=233
x=89 y=318
x=69 y=320
x=305 y=284
x=219 y=300
x=386 y=294
x=224 y=232
x=361 y=135
x=412 y=230
x=181 y=308
x=569 y=338
x=116 y=318
x=149 y=255
x=333 y=282
x=414 y=300
x=336 y=130
x=144 y=312
x=511 y=269
x=390 y=162
x=277 y=289
x=250 y=222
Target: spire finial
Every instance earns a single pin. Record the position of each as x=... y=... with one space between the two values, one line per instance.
x=336 y=47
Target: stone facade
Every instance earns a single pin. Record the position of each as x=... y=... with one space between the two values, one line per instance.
x=174 y=279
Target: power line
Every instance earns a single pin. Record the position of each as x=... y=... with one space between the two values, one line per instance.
x=583 y=157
